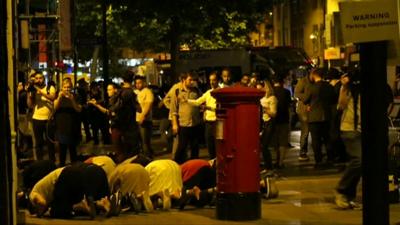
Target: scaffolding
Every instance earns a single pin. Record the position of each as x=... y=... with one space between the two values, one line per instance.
x=39 y=23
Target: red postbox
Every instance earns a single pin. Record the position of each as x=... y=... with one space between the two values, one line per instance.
x=238 y=157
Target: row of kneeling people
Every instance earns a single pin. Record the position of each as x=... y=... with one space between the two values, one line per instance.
x=99 y=186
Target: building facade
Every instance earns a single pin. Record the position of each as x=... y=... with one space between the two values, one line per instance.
x=301 y=23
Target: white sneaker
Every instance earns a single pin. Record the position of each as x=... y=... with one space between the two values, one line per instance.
x=355 y=206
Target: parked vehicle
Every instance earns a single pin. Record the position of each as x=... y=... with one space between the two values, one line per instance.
x=267 y=62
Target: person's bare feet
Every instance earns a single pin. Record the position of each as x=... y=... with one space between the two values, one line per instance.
x=104 y=204
x=196 y=192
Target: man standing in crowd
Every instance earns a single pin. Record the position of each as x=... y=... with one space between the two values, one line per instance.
x=25 y=139
x=333 y=76
x=82 y=97
x=226 y=78
x=185 y=119
x=299 y=93
x=122 y=114
x=281 y=120
x=145 y=98
x=167 y=102
x=319 y=98
x=245 y=80
x=124 y=130
x=209 y=114
x=40 y=98
x=350 y=127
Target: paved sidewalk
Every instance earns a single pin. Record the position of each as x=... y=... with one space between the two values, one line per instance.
x=302 y=200
x=305 y=197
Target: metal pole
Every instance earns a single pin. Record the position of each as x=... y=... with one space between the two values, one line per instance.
x=374 y=133
x=104 y=5
x=27 y=11
x=75 y=41
x=7 y=208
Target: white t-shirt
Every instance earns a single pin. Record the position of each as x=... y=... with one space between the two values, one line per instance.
x=45 y=186
x=43 y=106
x=270 y=102
x=144 y=96
x=347 y=122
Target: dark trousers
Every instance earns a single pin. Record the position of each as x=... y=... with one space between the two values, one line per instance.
x=98 y=125
x=73 y=184
x=187 y=136
x=41 y=137
x=304 y=130
x=352 y=174
x=145 y=130
x=268 y=130
x=320 y=136
x=63 y=153
x=336 y=142
x=84 y=116
x=210 y=138
x=166 y=133
x=125 y=143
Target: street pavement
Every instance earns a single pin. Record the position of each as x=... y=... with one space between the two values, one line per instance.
x=305 y=197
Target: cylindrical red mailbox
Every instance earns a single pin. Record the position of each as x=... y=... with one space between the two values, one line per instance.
x=238 y=167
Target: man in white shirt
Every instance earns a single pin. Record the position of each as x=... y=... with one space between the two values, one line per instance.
x=40 y=98
x=209 y=114
x=42 y=193
x=145 y=98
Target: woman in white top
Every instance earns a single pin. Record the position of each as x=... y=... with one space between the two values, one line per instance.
x=269 y=107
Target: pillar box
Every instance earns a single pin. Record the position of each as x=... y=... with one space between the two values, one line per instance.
x=238 y=158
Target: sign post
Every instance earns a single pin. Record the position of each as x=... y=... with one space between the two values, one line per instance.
x=367 y=21
x=371 y=24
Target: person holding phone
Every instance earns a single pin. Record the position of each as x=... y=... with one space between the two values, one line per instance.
x=40 y=100
x=67 y=121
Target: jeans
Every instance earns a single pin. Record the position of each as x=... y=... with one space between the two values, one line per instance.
x=41 y=136
x=73 y=157
x=166 y=133
x=268 y=130
x=336 y=141
x=125 y=143
x=145 y=130
x=352 y=175
x=319 y=136
x=187 y=135
x=303 y=134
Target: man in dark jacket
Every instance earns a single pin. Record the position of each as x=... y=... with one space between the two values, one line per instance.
x=319 y=98
x=122 y=113
x=301 y=110
x=124 y=129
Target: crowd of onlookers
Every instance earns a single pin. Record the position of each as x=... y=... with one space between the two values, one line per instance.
x=128 y=178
